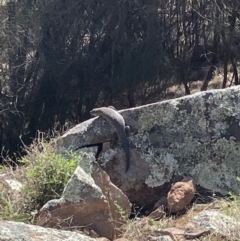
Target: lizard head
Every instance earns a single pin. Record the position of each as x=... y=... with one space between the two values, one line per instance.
x=95 y=112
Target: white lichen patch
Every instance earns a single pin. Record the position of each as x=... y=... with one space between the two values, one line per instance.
x=202 y=123
x=108 y=156
x=156 y=114
x=161 y=169
x=140 y=140
x=14 y=184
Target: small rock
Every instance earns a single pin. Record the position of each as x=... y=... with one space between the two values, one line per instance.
x=102 y=239
x=219 y=223
x=160 y=238
x=181 y=194
x=10 y=186
x=157 y=214
x=163 y=235
x=14 y=184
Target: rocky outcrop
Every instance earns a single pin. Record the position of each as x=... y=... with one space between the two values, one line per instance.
x=89 y=202
x=197 y=134
x=219 y=223
x=17 y=231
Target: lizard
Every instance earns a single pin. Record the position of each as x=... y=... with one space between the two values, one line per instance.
x=117 y=122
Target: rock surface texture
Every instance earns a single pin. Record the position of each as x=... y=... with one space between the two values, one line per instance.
x=17 y=231
x=197 y=134
x=180 y=195
x=219 y=223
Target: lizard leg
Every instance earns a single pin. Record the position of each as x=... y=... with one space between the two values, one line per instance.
x=127 y=129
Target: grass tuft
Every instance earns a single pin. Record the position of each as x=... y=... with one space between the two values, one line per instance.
x=43 y=173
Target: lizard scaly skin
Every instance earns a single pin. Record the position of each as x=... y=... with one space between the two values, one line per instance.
x=117 y=122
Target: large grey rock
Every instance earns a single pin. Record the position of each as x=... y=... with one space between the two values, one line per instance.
x=17 y=231
x=87 y=202
x=197 y=134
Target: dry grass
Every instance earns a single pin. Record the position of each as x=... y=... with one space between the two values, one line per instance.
x=144 y=229
x=176 y=91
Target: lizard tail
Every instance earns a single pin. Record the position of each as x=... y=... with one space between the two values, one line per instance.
x=127 y=161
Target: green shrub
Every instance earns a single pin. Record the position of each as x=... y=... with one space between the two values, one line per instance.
x=47 y=173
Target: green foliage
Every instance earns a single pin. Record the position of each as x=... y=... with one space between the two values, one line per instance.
x=231 y=205
x=124 y=215
x=47 y=176
x=10 y=210
x=43 y=174
x=151 y=222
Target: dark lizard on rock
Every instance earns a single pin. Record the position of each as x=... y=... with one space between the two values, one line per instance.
x=117 y=122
